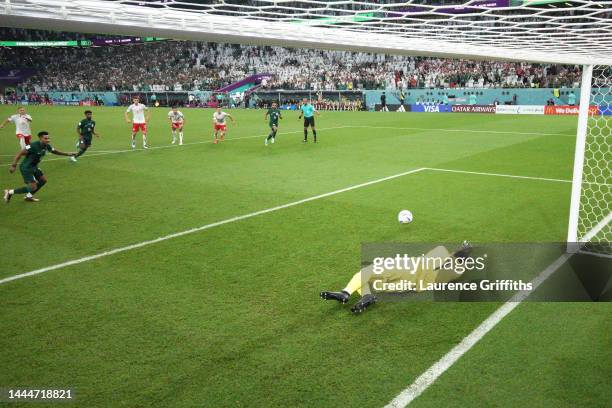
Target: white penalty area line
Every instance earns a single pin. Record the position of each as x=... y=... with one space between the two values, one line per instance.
x=203 y=227
x=95 y=153
x=480 y=173
x=435 y=371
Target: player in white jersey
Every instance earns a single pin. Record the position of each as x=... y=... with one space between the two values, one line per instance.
x=22 y=126
x=177 y=120
x=219 y=124
x=139 y=122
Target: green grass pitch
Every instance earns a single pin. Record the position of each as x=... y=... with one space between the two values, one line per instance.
x=230 y=316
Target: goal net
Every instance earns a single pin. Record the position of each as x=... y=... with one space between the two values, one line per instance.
x=575 y=32
x=591 y=207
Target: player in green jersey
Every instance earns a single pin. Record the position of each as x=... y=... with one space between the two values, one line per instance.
x=32 y=175
x=273 y=115
x=86 y=131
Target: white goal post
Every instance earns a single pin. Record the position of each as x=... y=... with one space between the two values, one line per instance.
x=590 y=221
x=575 y=32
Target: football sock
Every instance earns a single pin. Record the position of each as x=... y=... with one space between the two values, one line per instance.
x=81 y=152
x=144 y=139
x=314 y=133
x=22 y=190
x=354 y=284
x=40 y=185
x=305 y=134
x=181 y=137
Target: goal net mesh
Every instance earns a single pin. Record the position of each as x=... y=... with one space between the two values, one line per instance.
x=572 y=32
x=595 y=211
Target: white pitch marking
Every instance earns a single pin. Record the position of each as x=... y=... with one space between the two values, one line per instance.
x=95 y=153
x=514 y=176
x=499 y=175
x=202 y=228
x=431 y=375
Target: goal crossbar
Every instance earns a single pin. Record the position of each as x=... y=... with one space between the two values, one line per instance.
x=581 y=35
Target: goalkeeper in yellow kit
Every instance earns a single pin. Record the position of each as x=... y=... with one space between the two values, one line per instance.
x=361 y=281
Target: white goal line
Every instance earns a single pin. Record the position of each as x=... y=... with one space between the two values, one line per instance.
x=426 y=379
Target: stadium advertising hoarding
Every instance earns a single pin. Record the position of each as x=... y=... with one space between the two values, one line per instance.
x=475 y=6
x=45 y=43
x=124 y=41
x=536 y=2
x=81 y=43
x=392 y=107
x=569 y=110
x=473 y=108
x=15 y=75
x=430 y=108
x=519 y=109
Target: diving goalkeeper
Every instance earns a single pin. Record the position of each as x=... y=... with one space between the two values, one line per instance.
x=425 y=273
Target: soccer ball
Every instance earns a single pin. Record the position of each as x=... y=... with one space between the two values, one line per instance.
x=404 y=217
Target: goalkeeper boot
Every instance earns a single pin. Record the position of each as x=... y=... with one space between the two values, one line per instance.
x=341 y=297
x=363 y=303
x=465 y=250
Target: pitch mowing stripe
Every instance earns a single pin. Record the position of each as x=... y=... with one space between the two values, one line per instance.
x=202 y=228
x=431 y=375
x=480 y=173
x=501 y=132
x=107 y=152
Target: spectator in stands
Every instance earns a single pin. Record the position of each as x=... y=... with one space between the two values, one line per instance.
x=188 y=65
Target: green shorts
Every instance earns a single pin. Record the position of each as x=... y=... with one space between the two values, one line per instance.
x=30 y=174
x=272 y=124
x=86 y=141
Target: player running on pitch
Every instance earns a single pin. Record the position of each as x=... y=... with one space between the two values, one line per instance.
x=177 y=121
x=22 y=126
x=32 y=175
x=272 y=115
x=361 y=281
x=86 y=131
x=308 y=111
x=139 y=121
x=219 y=124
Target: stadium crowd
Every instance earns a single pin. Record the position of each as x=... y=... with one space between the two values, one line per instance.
x=187 y=65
